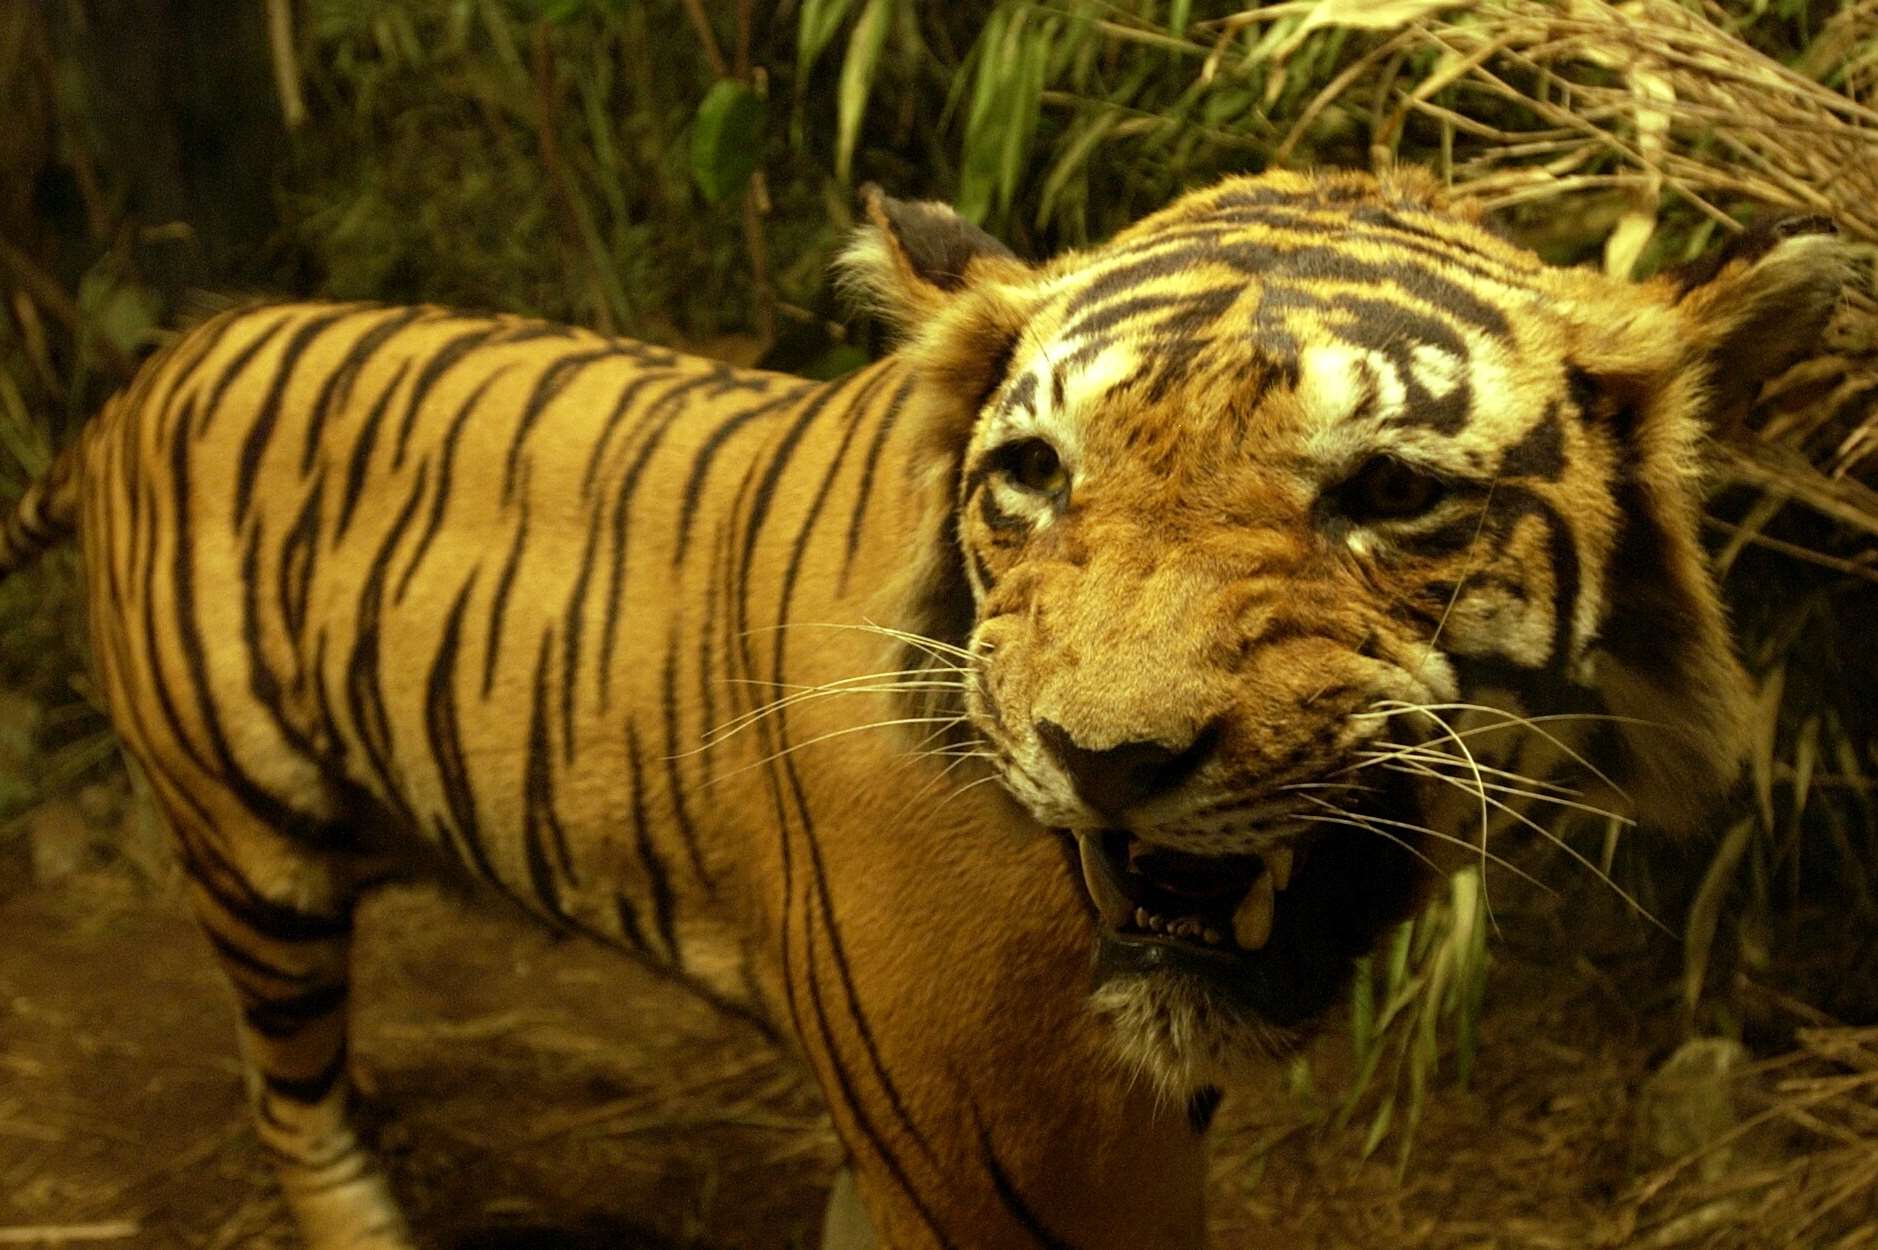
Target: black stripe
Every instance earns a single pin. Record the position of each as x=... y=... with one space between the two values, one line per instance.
x=541 y=826
x=661 y=414
x=574 y=615
x=338 y=388
x=660 y=882
x=1013 y=1199
x=864 y=490
x=275 y=922
x=707 y=454
x=229 y=373
x=554 y=379
x=283 y=1017
x=1185 y=312
x=446 y=358
x=263 y=683
x=261 y=428
x=628 y=917
x=444 y=733
x=247 y=961
x=857 y=1111
x=532 y=331
x=310 y=1090
x=271 y=811
x=857 y=1013
x=446 y=477
x=687 y=831
x=498 y=609
x=299 y=554
x=628 y=393
x=362 y=450
x=365 y=699
x=189 y=356
x=1541 y=454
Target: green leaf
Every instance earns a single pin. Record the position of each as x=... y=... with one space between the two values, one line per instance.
x=857 y=79
x=996 y=52
x=725 y=140
x=1022 y=109
x=1705 y=912
x=817 y=25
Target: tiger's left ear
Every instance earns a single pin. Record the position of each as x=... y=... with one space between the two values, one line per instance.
x=1759 y=305
x=1662 y=377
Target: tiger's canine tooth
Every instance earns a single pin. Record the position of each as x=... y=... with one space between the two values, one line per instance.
x=1107 y=896
x=1252 y=922
x=1279 y=863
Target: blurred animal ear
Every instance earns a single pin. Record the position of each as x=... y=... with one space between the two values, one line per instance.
x=1760 y=305
x=1660 y=377
x=910 y=258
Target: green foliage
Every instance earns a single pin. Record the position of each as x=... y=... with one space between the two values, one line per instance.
x=1419 y=998
x=726 y=138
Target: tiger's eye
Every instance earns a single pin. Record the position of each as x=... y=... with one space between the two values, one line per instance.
x=1037 y=467
x=1386 y=489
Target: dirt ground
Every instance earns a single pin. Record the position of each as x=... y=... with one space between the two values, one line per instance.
x=543 y=1092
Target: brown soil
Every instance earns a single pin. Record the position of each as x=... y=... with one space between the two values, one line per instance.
x=527 y=1102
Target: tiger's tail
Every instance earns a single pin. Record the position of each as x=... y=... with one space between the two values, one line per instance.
x=46 y=515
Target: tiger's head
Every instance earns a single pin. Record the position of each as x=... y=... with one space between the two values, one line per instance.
x=1302 y=531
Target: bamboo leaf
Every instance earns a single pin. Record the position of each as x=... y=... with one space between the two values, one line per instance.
x=1362 y=1009
x=726 y=137
x=1705 y=913
x=819 y=21
x=990 y=87
x=1021 y=110
x=1074 y=159
x=1761 y=754
x=1805 y=759
x=857 y=79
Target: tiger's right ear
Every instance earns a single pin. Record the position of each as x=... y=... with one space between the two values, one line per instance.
x=910 y=258
x=958 y=296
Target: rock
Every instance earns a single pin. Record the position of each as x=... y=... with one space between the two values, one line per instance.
x=1689 y=1104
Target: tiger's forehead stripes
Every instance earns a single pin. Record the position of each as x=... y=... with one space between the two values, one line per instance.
x=1268 y=272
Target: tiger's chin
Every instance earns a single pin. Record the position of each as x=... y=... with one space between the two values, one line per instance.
x=1210 y=966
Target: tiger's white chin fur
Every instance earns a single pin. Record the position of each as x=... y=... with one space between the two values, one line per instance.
x=1178 y=1035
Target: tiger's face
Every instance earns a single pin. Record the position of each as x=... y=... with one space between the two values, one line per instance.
x=1274 y=526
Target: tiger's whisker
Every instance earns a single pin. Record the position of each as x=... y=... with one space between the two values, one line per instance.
x=1537 y=796
x=793 y=747
x=1509 y=721
x=1557 y=841
x=1437 y=834
x=1398 y=750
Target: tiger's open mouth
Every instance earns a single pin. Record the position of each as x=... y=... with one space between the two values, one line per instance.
x=1271 y=936
x=1225 y=904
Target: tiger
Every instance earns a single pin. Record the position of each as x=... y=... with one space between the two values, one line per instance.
x=1028 y=730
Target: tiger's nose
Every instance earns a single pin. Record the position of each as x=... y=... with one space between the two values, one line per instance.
x=1116 y=778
